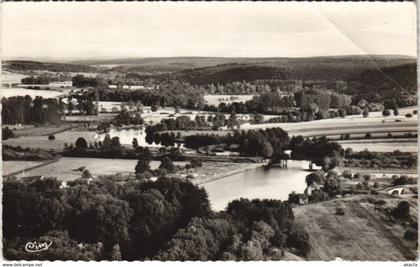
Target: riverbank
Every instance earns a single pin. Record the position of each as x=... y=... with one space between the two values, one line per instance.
x=216 y=176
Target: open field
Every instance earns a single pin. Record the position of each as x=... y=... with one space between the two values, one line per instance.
x=44 y=130
x=63 y=168
x=355 y=122
x=382 y=145
x=12 y=166
x=57 y=144
x=9 y=92
x=11 y=77
x=360 y=234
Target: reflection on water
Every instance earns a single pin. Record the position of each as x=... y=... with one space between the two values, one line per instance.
x=126 y=136
x=275 y=183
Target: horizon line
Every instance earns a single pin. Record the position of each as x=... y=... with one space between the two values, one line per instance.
x=67 y=60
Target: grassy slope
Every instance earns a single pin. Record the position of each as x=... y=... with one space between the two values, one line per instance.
x=361 y=234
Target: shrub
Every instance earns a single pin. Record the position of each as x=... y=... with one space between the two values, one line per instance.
x=293 y=198
x=167 y=164
x=86 y=174
x=332 y=174
x=386 y=113
x=368 y=135
x=365 y=113
x=332 y=187
x=415 y=111
x=403 y=180
x=408 y=115
x=359 y=186
x=81 y=143
x=339 y=211
x=196 y=163
x=342 y=112
x=7 y=133
x=367 y=177
x=299 y=239
x=402 y=211
x=346 y=174
x=317 y=177
x=411 y=234
x=51 y=137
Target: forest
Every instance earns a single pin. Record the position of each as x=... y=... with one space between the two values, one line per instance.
x=169 y=219
x=21 y=65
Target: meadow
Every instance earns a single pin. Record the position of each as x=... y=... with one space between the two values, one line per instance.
x=65 y=168
x=360 y=234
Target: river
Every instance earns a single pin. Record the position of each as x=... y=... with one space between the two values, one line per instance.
x=275 y=183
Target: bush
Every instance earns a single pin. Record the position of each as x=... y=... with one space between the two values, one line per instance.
x=196 y=163
x=411 y=234
x=51 y=137
x=299 y=239
x=317 y=177
x=342 y=112
x=293 y=198
x=368 y=135
x=339 y=211
x=359 y=186
x=408 y=115
x=415 y=111
x=365 y=113
x=403 y=180
x=386 y=113
x=402 y=211
x=346 y=174
x=367 y=177
x=7 y=133
x=332 y=174
x=332 y=187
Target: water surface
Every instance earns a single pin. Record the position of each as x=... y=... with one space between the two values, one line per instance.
x=275 y=183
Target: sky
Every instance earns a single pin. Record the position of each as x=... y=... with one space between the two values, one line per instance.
x=87 y=30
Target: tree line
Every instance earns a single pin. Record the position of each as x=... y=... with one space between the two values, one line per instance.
x=25 y=110
x=263 y=143
x=168 y=93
